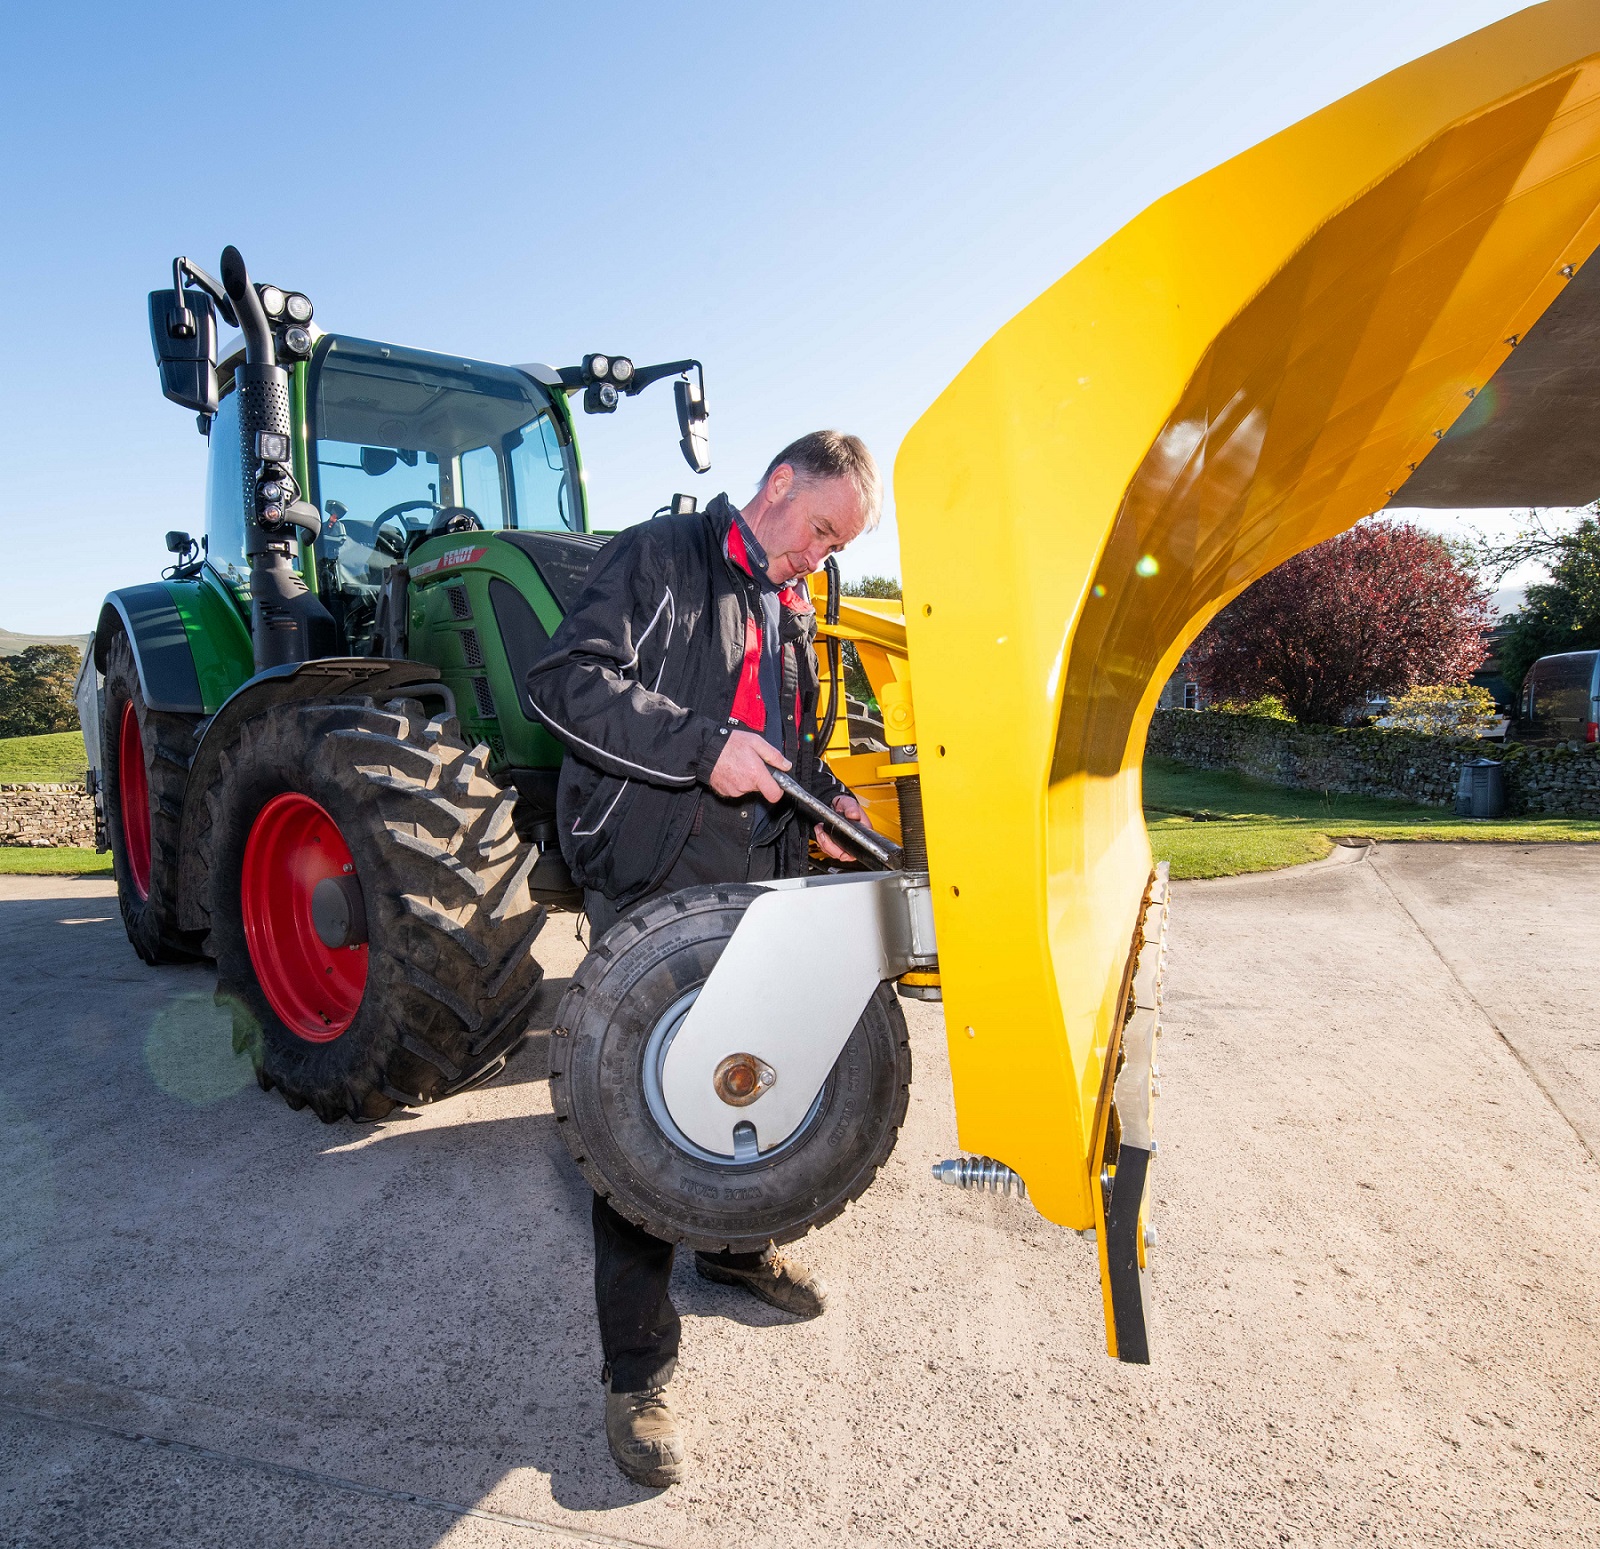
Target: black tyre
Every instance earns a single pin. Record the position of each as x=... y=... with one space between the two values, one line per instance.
x=144 y=762
x=369 y=906
x=631 y=992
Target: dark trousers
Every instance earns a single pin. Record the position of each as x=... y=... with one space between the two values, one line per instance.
x=639 y=1326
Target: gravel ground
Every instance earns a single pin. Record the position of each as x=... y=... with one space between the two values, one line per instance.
x=224 y=1323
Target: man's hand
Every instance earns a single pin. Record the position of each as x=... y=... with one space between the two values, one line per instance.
x=742 y=765
x=847 y=807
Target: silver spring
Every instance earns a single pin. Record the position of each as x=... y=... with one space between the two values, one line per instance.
x=980 y=1172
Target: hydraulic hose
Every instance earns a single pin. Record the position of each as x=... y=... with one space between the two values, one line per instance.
x=884 y=854
x=835 y=669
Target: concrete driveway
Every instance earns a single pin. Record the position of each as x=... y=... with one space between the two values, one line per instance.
x=222 y=1323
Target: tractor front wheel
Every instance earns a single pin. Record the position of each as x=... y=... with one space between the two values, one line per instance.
x=369 y=904
x=144 y=763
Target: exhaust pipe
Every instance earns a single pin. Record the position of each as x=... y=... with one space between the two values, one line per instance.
x=287 y=623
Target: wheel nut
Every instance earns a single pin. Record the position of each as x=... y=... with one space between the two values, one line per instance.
x=741 y=1078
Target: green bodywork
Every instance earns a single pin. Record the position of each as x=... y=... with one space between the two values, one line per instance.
x=219 y=635
x=438 y=636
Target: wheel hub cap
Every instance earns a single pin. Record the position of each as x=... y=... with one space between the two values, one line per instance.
x=304 y=920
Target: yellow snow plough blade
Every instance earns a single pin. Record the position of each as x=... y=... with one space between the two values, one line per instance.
x=1256 y=362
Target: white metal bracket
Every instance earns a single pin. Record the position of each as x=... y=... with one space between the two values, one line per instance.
x=764 y=998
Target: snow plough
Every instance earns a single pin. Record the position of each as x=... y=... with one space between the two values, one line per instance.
x=316 y=763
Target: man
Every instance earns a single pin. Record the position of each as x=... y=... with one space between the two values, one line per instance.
x=683 y=675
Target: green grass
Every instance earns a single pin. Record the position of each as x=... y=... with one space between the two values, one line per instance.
x=55 y=758
x=17 y=861
x=1213 y=823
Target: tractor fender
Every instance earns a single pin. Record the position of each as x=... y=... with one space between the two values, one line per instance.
x=326 y=678
x=154 y=627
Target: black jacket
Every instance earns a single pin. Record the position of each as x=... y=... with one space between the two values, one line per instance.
x=639 y=681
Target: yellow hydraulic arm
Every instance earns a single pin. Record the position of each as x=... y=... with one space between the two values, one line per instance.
x=1257 y=361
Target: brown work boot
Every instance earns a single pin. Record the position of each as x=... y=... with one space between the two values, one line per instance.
x=644 y=1436
x=783 y=1283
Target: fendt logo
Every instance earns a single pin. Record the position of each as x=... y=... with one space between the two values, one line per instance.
x=445 y=561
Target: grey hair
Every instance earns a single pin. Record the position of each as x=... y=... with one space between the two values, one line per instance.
x=830 y=454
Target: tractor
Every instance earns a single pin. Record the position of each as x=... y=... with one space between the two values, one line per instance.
x=315 y=761
x=311 y=753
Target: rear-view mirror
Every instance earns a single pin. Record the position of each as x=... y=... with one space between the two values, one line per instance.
x=378 y=460
x=183 y=332
x=693 y=424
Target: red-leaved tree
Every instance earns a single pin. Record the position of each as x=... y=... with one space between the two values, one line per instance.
x=1378 y=609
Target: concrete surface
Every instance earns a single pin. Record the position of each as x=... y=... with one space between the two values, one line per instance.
x=222 y=1323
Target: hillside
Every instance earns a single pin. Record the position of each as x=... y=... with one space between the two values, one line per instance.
x=14 y=645
x=50 y=757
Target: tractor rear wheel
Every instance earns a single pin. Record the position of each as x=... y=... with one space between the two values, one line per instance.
x=369 y=906
x=144 y=767
x=613 y=1027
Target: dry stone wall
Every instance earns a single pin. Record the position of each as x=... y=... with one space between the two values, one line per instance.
x=1368 y=761
x=45 y=816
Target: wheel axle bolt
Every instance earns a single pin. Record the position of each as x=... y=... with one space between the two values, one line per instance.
x=741 y=1078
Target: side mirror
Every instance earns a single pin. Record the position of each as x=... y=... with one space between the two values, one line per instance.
x=693 y=424
x=183 y=331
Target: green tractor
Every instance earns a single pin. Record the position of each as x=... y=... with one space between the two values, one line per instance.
x=311 y=749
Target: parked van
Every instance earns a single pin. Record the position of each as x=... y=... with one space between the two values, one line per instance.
x=1561 y=696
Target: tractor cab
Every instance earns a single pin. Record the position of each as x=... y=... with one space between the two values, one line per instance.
x=402 y=445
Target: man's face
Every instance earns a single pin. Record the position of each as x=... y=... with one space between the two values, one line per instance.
x=801 y=522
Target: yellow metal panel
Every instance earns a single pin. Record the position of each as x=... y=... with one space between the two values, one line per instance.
x=1244 y=370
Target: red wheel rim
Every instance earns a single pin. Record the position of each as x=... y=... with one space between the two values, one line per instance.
x=315 y=989
x=133 y=799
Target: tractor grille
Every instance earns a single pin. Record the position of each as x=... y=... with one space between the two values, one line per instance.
x=480 y=691
x=472 y=647
x=460 y=603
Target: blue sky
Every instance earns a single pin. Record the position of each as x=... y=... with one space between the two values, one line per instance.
x=832 y=205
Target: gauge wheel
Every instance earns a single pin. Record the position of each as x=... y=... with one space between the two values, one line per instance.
x=613 y=1027
x=369 y=906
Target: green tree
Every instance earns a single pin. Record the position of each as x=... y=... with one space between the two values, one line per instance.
x=856 y=685
x=1442 y=710
x=36 y=690
x=1561 y=614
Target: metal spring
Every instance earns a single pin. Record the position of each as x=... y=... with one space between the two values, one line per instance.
x=980 y=1172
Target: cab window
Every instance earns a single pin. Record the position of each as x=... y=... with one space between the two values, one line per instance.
x=225 y=496
x=404 y=441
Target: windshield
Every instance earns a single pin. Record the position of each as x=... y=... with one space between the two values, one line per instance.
x=403 y=438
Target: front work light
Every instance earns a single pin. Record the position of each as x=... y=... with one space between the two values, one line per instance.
x=596 y=367
x=298 y=307
x=621 y=370
x=272 y=301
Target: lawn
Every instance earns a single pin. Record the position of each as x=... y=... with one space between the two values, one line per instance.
x=1213 y=823
x=17 y=861
x=55 y=758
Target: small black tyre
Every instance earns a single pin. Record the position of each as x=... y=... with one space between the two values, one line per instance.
x=639 y=973
x=437 y=986
x=145 y=756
